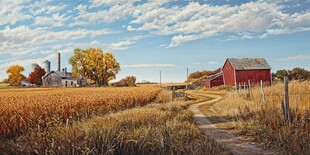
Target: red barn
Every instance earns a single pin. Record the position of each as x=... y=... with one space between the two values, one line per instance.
x=241 y=70
x=214 y=80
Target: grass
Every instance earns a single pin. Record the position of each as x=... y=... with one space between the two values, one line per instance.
x=158 y=128
x=5 y=86
x=265 y=122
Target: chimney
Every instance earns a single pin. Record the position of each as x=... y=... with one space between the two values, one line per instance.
x=66 y=71
x=58 y=61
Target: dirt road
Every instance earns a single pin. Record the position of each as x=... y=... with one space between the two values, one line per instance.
x=229 y=141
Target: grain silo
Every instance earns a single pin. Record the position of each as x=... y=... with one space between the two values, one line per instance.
x=46 y=66
x=58 y=61
x=33 y=66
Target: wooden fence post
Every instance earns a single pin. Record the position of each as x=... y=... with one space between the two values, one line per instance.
x=249 y=83
x=263 y=94
x=244 y=91
x=173 y=93
x=286 y=100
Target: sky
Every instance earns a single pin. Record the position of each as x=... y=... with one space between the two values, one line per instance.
x=149 y=36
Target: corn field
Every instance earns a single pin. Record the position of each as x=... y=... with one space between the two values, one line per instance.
x=152 y=129
x=38 y=109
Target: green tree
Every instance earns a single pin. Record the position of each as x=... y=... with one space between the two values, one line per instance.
x=300 y=74
x=94 y=64
x=280 y=74
x=14 y=74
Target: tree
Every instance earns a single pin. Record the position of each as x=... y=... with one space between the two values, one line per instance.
x=14 y=74
x=35 y=77
x=129 y=81
x=300 y=74
x=94 y=64
x=6 y=80
x=280 y=74
x=198 y=75
x=296 y=73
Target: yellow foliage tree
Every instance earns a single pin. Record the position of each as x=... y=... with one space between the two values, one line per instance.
x=14 y=74
x=94 y=64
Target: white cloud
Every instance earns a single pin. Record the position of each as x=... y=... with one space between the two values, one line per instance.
x=57 y=8
x=121 y=45
x=213 y=62
x=148 y=65
x=16 y=41
x=197 y=21
x=294 y=58
x=125 y=44
x=54 y=21
x=11 y=12
x=117 y=10
x=206 y=63
x=43 y=7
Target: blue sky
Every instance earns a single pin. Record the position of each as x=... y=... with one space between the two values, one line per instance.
x=147 y=36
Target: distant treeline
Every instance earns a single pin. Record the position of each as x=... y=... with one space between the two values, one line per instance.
x=129 y=81
x=296 y=73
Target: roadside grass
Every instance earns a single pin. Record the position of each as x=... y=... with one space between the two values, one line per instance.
x=264 y=123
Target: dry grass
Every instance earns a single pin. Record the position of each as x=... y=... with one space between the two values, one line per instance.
x=153 y=129
x=23 y=110
x=265 y=122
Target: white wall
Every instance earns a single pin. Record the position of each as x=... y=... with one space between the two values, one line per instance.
x=70 y=82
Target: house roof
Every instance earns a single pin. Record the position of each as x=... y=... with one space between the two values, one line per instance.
x=248 y=63
x=62 y=74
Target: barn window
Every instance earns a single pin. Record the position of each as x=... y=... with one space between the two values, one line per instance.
x=71 y=82
x=227 y=67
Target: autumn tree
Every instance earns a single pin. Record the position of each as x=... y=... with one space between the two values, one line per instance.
x=129 y=81
x=94 y=64
x=35 y=77
x=14 y=74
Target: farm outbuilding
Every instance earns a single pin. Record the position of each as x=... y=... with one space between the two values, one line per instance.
x=214 y=80
x=59 y=78
x=238 y=71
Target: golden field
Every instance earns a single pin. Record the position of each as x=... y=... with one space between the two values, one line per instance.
x=99 y=121
x=265 y=121
x=153 y=129
x=25 y=109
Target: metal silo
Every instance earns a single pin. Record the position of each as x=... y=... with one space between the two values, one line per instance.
x=46 y=66
x=34 y=66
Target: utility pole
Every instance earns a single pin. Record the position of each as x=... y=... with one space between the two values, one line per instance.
x=160 y=78
x=187 y=73
x=187 y=78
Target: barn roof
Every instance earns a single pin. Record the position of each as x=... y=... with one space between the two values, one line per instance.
x=62 y=74
x=214 y=76
x=249 y=63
